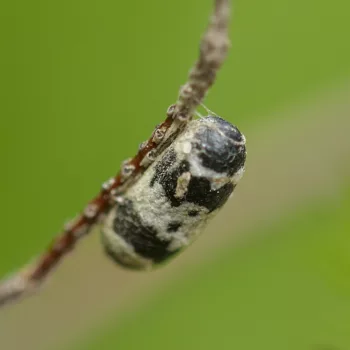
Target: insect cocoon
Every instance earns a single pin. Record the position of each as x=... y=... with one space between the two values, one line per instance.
x=185 y=186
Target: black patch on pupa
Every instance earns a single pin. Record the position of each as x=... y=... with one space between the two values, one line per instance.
x=199 y=192
x=215 y=141
x=173 y=226
x=199 y=188
x=162 y=167
x=143 y=238
x=168 y=177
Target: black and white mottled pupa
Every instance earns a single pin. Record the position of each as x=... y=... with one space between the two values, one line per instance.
x=185 y=186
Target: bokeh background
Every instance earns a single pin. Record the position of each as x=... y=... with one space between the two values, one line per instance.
x=82 y=83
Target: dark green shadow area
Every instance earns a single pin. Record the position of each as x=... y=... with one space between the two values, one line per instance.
x=287 y=289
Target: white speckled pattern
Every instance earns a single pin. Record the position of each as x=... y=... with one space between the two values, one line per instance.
x=154 y=207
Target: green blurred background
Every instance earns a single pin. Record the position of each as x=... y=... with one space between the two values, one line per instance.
x=82 y=83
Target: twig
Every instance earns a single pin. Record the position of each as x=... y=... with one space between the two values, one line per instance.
x=213 y=50
x=214 y=46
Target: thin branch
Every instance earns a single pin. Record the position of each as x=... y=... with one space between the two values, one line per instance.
x=213 y=50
